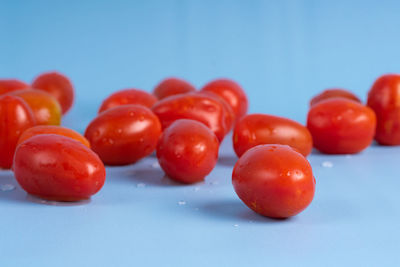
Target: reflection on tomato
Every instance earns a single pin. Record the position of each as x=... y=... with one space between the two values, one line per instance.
x=334 y=93
x=172 y=86
x=9 y=85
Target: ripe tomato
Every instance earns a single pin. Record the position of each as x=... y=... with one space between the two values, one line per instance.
x=124 y=134
x=172 y=86
x=187 y=151
x=231 y=92
x=126 y=97
x=274 y=180
x=59 y=86
x=15 y=118
x=334 y=93
x=195 y=106
x=46 y=109
x=384 y=99
x=9 y=85
x=56 y=167
x=341 y=126
x=50 y=129
x=258 y=129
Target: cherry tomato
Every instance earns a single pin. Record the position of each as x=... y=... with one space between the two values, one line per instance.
x=195 y=106
x=49 y=129
x=9 y=85
x=341 y=126
x=232 y=93
x=126 y=97
x=56 y=167
x=59 y=86
x=384 y=99
x=15 y=117
x=334 y=93
x=172 y=86
x=258 y=129
x=124 y=134
x=274 y=180
x=46 y=109
x=187 y=151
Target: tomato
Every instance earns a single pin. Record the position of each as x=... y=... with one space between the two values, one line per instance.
x=231 y=92
x=15 y=117
x=59 y=86
x=50 y=129
x=187 y=151
x=258 y=129
x=126 y=97
x=46 y=109
x=172 y=86
x=124 y=134
x=200 y=107
x=274 y=180
x=341 y=126
x=59 y=168
x=384 y=99
x=9 y=85
x=334 y=93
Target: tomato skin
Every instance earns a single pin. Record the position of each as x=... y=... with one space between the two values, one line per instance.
x=187 y=151
x=172 y=86
x=15 y=118
x=341 y=126
x=384 y=99
x=258 y=129
x=57 y=85
x=58 y=168
x=334 y=93
x=274 y=180
x=124 y=134
x=126 y=97
x=9 y=85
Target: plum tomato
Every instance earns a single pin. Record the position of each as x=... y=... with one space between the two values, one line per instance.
x=15 y=117
x=55 y=167
x=127 y=97
x=124 y=134
x=195 y=106
x=51 y=129
x=172 y=86
x=187 y=151
x=57 y=85
x=341 y=126
x=9 y=85
x=274 y=180
x=384 y=99
x=259 y=129
x=334 y=93
x=232 y=93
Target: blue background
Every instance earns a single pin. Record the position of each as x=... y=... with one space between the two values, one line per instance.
x=282 y=52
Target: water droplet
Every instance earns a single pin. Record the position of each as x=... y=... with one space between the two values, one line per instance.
x=327 y=164
x=141 y=118
x=288 y=173
x=141 y=185
x=181 y=203
x=119 y=131
x=141 y=140
x=196 y=189
x=7 y=187
x=236 y=225
x=110 y=141
x=155 y=165
x=131 y=113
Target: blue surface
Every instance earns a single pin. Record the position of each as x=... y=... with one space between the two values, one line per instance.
x=282 y=52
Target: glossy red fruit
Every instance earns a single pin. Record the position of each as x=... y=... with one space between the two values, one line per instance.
x=274 y=180
x=127 y=97
x=15 y=118
x=172 y=86
x=334 y=93
x=258 y=129
x=341 y=126
x=9 y=85
x=58 y=168
x=187 y=151
x=124 y=134
x=59 y=86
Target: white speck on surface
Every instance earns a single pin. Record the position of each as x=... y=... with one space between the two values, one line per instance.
x=141 y=185
x=236 y=225
x=349 y=156
x=181 y=203
x=327 y=164
x=155 y=165
x=7 y=187
x=213 y=183
x=196 y=189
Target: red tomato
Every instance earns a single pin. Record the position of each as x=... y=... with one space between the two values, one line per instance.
x=341 y=126
x=232 y=93
x=49 y=129
x=334 y=93
x=126 y=97
x=195 y=106
x=9 y=85
x=259 y=129
x=59 y=86
x=15 y=118
x=384 y=99
x=172 y=86
x=274 y=180
x=187 y=151
x=58 y=168
x=124 y=134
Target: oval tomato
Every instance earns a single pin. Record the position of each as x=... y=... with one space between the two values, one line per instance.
x=172 y=86
x=9 y=85
x=334 y=93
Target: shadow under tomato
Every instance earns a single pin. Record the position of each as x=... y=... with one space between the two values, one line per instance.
x=227 y=160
